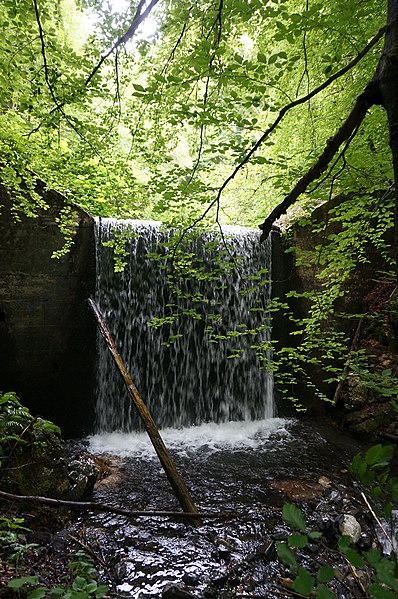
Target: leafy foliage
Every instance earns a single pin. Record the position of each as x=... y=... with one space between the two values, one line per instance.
x=158 y=130
x=13 y=543
x=83 y=586
x=372 y=470
x=168 y=127
x=18 y=427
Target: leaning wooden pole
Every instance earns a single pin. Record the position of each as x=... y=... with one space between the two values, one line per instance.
x=169 y=467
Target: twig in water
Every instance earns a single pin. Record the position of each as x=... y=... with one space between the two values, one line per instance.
x=388 y=537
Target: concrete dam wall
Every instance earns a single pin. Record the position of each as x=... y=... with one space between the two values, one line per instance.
x=47 y=335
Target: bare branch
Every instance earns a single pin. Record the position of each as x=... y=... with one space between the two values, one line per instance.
x=217 y=22
x=43 y=52
x=350 y=125
x=58 y=106
x=137 y=20
x=289 y=107
x=101 y=507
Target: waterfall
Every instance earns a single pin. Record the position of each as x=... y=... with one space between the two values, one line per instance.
x=184 y=369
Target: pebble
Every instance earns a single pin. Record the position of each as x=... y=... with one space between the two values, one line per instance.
x=350 y=526
x=324 y=481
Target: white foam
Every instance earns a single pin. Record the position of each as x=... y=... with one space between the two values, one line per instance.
x=231 y=436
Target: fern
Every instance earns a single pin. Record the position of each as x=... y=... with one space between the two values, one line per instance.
x=16 y=426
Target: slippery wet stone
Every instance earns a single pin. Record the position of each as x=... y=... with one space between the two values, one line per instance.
x=298 y=490
x=175 y=591
x=350 y=527
x=190 y=580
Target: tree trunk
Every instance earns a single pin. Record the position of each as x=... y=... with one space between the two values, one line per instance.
x=382 y=89
x=387 y=76
x=169 y=467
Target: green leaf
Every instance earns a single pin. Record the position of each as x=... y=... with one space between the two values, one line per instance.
x=379 y=455
x=17 y=583
x=354 y=558
x=358 y=466
x=344 y=543
x=325 y=573
x=91 y=586
x=297 y=540
x=79 y=583
x=379 y=592
x=57 y=591
x=285 y=554
x=293 y=516
x=385 y=572
x=304 y=583
x=101 y=591
x=37 y=594
x=323 y=592
x=373 y=556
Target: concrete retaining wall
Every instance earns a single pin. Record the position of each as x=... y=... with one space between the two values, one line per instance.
x=47 y=335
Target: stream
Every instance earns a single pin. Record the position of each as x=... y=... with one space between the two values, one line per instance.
x=248 y=468
x=234 y=456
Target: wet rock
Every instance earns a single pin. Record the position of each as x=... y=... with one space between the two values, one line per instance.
x=249 y=584
x=371 y=418
x=324 y=481
x=82 y=475
x=265 y=550
x=38 y=467
x=224 y=555
x=220 y=580
x=335 y=497
x=298 y=490
x=190 y=580
x=175 y=591
x=227 y=543
x=350 y=527
x=327 y=524
x=41 y=466
x=110 y=471
x=358 y=394
x=280 y=536
x=365 y=542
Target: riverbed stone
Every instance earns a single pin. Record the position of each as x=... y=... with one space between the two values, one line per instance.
x=190 y=580
x=38 y=464
x=349 y=526
x=299 y=490
x=82 y=476
x=176 y=591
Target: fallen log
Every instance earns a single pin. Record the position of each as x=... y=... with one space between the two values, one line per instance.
x=177 y=484
x=92 y=506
